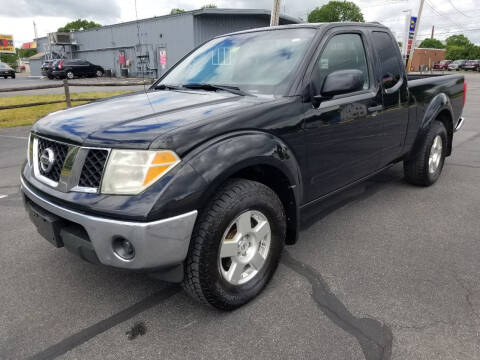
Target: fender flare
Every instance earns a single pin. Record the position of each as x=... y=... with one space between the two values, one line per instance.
x=247 y=149
x=438 y=104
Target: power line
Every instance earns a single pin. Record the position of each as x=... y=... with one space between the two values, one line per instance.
x=461 y=12
x=451 y=32
x=441 y=14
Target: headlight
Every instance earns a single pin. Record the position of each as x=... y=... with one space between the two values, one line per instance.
x=30 y=150
x=132 y=171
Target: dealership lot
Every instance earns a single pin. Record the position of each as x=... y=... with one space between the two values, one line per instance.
x=383 y=271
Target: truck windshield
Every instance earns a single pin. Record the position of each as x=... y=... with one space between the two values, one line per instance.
x=256 y=62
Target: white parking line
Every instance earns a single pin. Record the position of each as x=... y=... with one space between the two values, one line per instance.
x=14 y=137
x=3 y=196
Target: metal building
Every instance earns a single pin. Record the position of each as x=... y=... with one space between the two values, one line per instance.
x=148 y=47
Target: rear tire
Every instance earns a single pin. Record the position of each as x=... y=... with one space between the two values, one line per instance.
x=424 y=165
x=210 y=265
x=69 y=75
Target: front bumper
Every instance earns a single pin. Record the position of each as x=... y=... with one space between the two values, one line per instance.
x=158 y=244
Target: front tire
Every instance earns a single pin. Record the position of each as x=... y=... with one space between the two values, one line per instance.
x=99 y=73
x=424 y=165
x=236 y=245
x=70 y=75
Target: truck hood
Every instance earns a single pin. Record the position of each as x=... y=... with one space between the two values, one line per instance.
x=136 y=120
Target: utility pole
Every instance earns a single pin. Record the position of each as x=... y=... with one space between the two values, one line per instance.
x=410 y=57
x=405 y=35
x=433 y=31
x=275 y=16
x=35 y=30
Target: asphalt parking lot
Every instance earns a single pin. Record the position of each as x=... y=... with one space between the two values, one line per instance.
x=385 y=270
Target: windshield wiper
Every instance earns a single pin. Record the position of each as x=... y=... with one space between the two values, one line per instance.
x=167 y=87
x=213 y=87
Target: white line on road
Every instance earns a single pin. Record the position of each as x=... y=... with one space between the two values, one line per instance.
x=14 y=137
x=3 y=196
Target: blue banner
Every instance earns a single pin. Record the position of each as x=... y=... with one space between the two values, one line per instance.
x=413 y=23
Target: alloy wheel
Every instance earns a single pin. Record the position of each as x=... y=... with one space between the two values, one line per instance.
x=244 y=247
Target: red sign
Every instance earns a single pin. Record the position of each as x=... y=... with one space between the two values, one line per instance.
x=163 y=57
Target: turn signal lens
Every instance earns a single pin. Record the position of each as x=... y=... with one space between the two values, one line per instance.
x=129 y=172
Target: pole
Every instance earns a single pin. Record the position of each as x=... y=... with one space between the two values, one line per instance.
x=67 y=93
x=433 y=31
x=275 y=15
x=405 y=35
x=415 y=34
x=35 y=30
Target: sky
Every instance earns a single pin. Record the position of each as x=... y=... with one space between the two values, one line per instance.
x=448 y=16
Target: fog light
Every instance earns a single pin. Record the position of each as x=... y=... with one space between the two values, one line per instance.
x=123 y=248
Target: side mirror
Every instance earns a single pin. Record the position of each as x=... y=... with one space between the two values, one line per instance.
x=341 y=82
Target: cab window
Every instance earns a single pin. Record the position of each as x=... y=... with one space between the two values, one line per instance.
x=388 y=54
x=343 y=52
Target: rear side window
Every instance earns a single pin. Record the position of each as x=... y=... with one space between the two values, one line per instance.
x=343 y=52
x=387 y=51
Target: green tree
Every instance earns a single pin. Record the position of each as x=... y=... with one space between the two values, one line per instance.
x=79 y=24
x=474 y=52
x=176 y=11
x=10 y=59
x=432 y=44
x=460 y=47
x=336 y=11
x=25 y=53
x=458 y=40
x=209 y=6
x=455 y=52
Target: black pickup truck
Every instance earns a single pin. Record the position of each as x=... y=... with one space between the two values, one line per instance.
x=204 y=177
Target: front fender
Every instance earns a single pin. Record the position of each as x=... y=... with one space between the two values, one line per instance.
x=222 y=157
x=212 y=163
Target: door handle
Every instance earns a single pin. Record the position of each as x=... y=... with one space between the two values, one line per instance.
x=375 y=108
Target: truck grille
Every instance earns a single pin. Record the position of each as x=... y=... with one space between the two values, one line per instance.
x=60 y=150
x=74 y=168
x=93 y=168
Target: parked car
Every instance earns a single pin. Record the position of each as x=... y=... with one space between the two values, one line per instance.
x=48 y=66
x=457 y=65
x=203 y=178
x=472 y=65
x=76 y=68
x=6 y=71
x=442 y=65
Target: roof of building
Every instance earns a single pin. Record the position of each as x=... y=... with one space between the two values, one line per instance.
x=200 y=12
x=36 y=56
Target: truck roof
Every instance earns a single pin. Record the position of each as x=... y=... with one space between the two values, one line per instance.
x=309 y=25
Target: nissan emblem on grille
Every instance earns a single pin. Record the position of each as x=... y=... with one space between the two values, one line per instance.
x=47 y=159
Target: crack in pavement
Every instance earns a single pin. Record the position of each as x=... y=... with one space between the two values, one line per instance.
x=374 y=337
x=468 y=293
x=463 y=165
x=90 y=332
